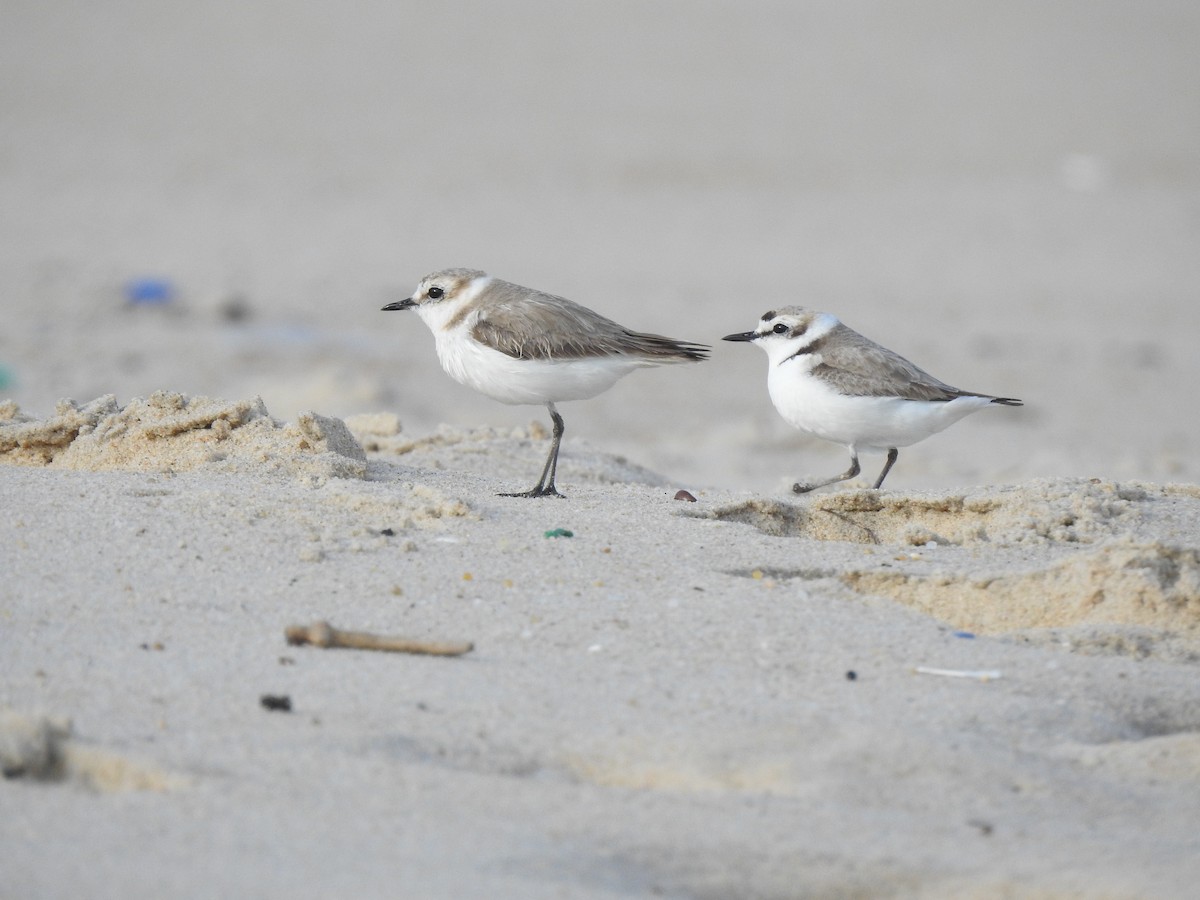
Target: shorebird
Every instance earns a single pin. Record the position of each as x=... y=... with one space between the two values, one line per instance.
x=827 y=379
x=518 y=345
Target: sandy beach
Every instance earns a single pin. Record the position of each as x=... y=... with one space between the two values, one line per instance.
x=981 y=681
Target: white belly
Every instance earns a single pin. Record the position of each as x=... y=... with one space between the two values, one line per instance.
x=867 y=423
x=511 y=380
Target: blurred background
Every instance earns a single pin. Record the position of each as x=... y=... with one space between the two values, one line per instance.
x=218 y=197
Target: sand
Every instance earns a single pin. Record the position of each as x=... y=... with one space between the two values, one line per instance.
x=664 y=697
x=980 y=681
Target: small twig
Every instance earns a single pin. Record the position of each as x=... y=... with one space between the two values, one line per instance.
x=977 y=674
x=322 y=634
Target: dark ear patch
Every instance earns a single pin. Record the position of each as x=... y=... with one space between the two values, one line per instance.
x=769 y=314
x=798 y=330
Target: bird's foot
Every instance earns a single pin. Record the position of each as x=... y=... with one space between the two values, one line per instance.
x=536 y=491
x=802 y=488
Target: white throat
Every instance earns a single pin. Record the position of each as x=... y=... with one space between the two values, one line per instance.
x=780 y=348
x=438 y=314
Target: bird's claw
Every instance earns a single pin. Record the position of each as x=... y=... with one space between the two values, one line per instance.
x=538 y=491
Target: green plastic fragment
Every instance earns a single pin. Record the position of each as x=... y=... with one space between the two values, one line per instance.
x=560 y=532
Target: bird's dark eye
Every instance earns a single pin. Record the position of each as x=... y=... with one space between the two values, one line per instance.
x=779 y=328
x=435 y=293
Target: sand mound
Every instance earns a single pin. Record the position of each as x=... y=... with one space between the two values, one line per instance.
x=512 y=454
x=374 y=431
x=1123 y=582
x=689 y=773
x=169 y=432
x=1043 y=511
x=44 y=749
x=1170 y=757
x=358 y=517
x=1130 y=641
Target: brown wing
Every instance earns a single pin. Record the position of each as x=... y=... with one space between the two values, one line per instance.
x=528 y=324
x=857 y=365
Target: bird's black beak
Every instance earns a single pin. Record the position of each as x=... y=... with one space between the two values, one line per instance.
x=743 y=336
x=407 y=303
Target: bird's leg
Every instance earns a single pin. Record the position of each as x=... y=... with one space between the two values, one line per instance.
x=545 y=486
x=887 y=466
x=854 y=469
x=548 y=489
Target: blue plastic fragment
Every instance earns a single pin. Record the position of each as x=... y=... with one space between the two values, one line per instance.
x=964 y=634
x=150 y=291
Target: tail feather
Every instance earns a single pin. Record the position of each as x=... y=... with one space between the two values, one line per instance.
x=665 y=349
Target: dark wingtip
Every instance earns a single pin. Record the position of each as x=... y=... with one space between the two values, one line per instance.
x=669 y=348
x=1008 y=401
x=686 y=351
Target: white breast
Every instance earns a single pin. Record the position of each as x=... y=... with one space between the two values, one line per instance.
x=510 y=380
x=870 y=423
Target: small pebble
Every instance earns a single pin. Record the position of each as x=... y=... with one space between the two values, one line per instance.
x=276 y=702
x=851 y=675
x=235 y=309
x=684 y=495
x=985 y=828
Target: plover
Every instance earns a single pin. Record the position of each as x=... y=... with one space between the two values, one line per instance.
x=518 y=345
x=829 y=380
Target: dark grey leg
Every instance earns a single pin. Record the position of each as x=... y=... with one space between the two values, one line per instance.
x=887 y=466
x=548 y=489
x=545 y=486
x=854 y=469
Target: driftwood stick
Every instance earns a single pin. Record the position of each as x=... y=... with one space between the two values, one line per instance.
x=322 y=634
